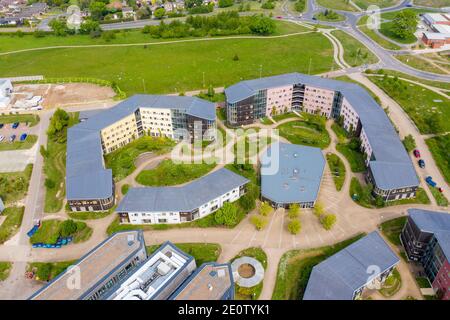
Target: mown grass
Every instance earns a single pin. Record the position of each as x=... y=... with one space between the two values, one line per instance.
x=441 y=200
x=392 y=284
x=46 y=271
x=353 y=155
x=440 y=149
x=418 y=63
x=381 y=41
x=337 y=5
x=28 y=143
x=14 y=185
x=30 y=119
x=391 y=229
x=355 y=53
x=202 y=252
x=5 y=268
x=11 y=225
x=50 y=230
x=337 y=169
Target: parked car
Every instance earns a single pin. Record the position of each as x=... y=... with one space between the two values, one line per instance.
x=421 y=163
x=12 y=138
x=279 y=17
x=314 y=18
x=409 y=5
x=1 y=125
x=2 y=138
x=440 y=190
x=430 y=181
x=15 y=125
x=23 y=137
x=416 y=153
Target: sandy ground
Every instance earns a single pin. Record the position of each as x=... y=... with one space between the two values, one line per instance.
x=59 y=95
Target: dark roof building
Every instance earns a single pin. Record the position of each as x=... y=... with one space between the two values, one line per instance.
x=344 y=275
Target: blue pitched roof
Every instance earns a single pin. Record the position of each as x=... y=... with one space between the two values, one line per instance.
x=339 y=276
x=387 y=148
x=434 y=222
x=184 y=198
x=86 y=176
x=299 y=173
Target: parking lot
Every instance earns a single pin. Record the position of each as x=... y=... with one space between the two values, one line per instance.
x=7 y=131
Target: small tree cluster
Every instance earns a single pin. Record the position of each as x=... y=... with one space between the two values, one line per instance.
x=327 y=220
x=265 y=209
x=258 y=221
x=227 y=215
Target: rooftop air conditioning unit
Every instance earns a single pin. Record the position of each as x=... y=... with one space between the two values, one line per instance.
x=163 y=268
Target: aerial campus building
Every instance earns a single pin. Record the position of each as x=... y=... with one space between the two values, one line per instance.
x=426 y=239
x=345 y=275
x=390 y=169
x=119 y=269
x=153 y=205
x=89 y=185
x=298 y=177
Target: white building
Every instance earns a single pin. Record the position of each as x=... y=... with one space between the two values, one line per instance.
x=6 y=90
x=190 y=202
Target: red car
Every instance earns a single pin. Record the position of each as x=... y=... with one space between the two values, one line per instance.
x=416 y=153
x=279 y=17
x=440 y=190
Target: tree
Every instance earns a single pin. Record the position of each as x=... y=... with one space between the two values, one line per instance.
x=319 y=209
x=300 y=5
x=436 y=123
x=227 y=215
x=49 y=183
x=258 y=221
x=409 y=143
x=225 y=3
x=294 y=211
x=67 y=228
x=144 y=13
x=262 y=25
x=159 y=13
x=89 y=26
x=404 y=24
x=328 y=221
x=294 y=226
x=236 y=57
x=98 y=10
x=265 y=209
x=268 y=5
x=58 y=125
x=193 y=3
x=59 y=27
x=211 y=92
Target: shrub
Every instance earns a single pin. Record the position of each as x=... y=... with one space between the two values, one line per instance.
x=294 y=226
x=294 y=211
x=227 y=215
x=44 y=271
x=319 y=209
x=68 y=228
x=225 y=3
x=268 y=5
x=49 y=183
x=258 y=221
x=328 y=221
x=236 y=57
x=265 y=209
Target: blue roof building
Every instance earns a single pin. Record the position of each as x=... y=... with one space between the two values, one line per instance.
x=298 y=175
x=346 y=274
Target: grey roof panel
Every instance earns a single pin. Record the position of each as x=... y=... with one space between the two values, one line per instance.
x=339 y=276
x=183 y=198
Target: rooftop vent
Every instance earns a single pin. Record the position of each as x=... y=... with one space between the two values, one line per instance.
x=210 y=287
x=295 y=171
x=130 y=240
x=221 y=273
x=295 y=155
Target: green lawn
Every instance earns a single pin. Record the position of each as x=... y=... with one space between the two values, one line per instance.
x=5 y=268
x=392 y=284
x=121 y=161
x=334 y=18
x=252 y=293
x=309 y=131
x=46 y=271
x=391 y=14
x=391 y=229
x=12 y=223
x=350 y=150
x=427 y=104
x=14 y=185
x=355 y=53
x=55 y=170
x=381 y=41
x=364 y=4
x=337 y=5
x=283 y=116
x=441 y=200
x=340 y=132
x=167 y=173
x=125 y=188
x=442 y=85
x=295 y=267
x=19 y=145
x=433 y=3
x=416 y=62
x=337 y=169
x=440 y=149
x=202 y=252
x=30 y=119
x=423 y=282
x=386 y=30
x=49 y=232
x=164 y=70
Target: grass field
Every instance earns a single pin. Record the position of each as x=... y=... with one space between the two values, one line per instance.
x=14 y=185
x=355 y=53
x=441 y=200
x=386 y=30
x=310 y=131
x=283 y=116
x=426 y=104
x=202 y=252
x=364 y=4
x=252 y=293
x=49 y=232
x=295 y=267
x=30 y=119
x=5 y=268
x=392 y=229
x=19 y=145
x=121 y=161
x=12 y=223
x=322 y=17
x=46 y=271
x=392 y=284
x=167 y=173
x=442 y=85
x=55 y=170
x=433 y=3
x=164 y=70
x=337 y=5
x=353 y=155
x=418 y=63
x=381 y=41
x=337 y=169
x=440 y=149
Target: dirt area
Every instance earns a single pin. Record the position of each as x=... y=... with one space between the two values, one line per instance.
x=58 y=95
x=246 y=270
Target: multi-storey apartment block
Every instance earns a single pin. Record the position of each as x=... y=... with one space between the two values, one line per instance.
x=426 y=239
x=345 y=275
x=89 y=186
x=119 y=269
x=195 y=200
x=390 y=169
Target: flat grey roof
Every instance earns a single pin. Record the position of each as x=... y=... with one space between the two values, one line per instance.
x=387 y=148
x=94 y=266
x=184 y=198
x=339 y=276
x=298 y=176
x=86 y=176
x=434 y=222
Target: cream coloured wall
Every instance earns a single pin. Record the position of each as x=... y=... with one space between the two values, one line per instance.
x=279 y=99
x=318 y=101
x=119 y=134
x=157 y=121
